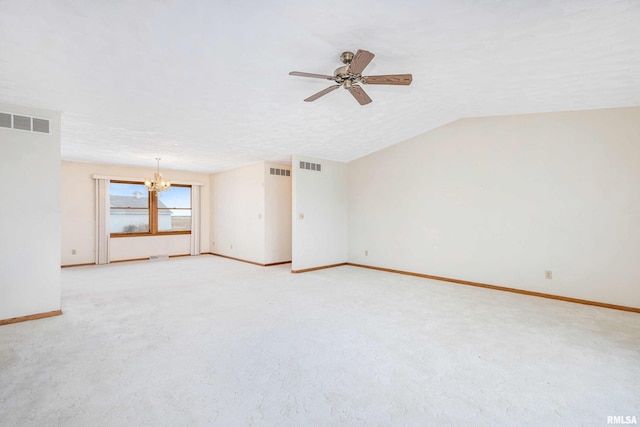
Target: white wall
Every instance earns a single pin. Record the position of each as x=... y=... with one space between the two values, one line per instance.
x=499 y=200
x=251 y=214
x=30 y=217
x=237 y=213
x=79 y=216
x=277 y=215
x=320 y=238
x=125 y=248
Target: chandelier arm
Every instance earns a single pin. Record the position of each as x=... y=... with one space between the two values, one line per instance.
x=158 y=184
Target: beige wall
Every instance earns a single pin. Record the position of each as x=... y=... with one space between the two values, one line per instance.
x=237 y=213
x=500 y=200
x=319 y=214
x=29 y=217
x=79 y=217
x=277 y=215
x=251 y=214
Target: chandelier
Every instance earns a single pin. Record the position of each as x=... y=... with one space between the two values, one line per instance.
x=157 y=184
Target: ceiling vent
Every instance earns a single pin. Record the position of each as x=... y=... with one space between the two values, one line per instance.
x=281 y=172
x=311 y=166
x=30 y=124
x=5 y=120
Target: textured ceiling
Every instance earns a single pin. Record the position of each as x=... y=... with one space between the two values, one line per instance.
x=205 y=84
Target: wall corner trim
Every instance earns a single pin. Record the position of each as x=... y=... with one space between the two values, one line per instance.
x=77 y=265
x=503 y=288
x=322 y=267
x=249 y=262
x=30 y=317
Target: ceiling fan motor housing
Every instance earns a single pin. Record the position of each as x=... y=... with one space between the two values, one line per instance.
x=346 y=57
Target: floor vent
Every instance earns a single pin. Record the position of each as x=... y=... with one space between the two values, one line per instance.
x=281 y=172
x=30 y=124
x=158 y=257
x=311 y=166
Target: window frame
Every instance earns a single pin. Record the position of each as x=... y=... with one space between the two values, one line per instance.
x=153 y=213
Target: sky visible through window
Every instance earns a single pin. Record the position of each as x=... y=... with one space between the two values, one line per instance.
x=175 y=197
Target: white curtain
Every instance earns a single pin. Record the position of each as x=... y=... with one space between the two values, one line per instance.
x=102 y=221
x=195 y=220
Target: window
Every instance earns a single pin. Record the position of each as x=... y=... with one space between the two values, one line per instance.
x=130 y=208
x=134 y=211
x=174 y=209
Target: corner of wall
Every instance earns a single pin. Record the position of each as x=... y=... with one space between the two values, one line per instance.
x=319 y=213
x=31 y=264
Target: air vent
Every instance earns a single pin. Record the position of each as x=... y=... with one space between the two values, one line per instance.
x=281 y=172
x=19 y=122
x=311 y=166
x=40 y=125
x=5 y=120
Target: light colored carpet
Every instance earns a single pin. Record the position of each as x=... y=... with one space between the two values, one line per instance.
x=210 y=341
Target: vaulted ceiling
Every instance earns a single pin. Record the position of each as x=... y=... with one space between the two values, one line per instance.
x=204 y=84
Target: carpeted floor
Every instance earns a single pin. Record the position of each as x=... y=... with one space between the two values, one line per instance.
x=210 y=341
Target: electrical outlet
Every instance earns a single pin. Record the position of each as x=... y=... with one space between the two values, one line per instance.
x=301 y=216
x=548 y=274
x=73 y=252
x=231 y=246
x=366 y=253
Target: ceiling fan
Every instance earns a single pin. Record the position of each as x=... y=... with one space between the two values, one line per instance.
x=350 y=75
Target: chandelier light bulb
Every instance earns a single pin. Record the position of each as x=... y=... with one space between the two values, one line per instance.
x=158 y=183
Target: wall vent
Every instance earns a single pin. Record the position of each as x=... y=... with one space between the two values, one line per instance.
x=5 y=120
x=311 y=166
x=281 y=172
x=19 y=122
x=40 y=125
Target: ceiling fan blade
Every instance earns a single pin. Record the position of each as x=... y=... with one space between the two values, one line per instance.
x=391 y=79
x=360 y=95
x=360 y=61
x=322 y=93
x=317 y=76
